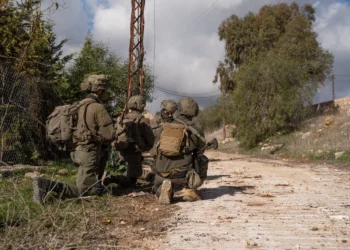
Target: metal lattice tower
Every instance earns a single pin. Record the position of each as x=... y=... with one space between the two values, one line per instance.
x=136 y=49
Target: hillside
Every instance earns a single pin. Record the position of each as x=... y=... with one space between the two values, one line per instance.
x=324 y=137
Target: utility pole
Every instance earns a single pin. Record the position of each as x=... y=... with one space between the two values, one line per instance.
x=136 y=49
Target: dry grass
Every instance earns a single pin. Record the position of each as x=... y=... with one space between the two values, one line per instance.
x=106 y=222
x=314 y=141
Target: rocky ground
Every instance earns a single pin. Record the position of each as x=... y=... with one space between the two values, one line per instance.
x=262 y=204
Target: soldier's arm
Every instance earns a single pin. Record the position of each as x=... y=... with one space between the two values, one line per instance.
x=154 y=149
x=105 y=124
x=147 y=132
x=198 y=142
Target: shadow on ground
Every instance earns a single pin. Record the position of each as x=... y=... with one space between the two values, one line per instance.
x=213 y=193
x=214 y=177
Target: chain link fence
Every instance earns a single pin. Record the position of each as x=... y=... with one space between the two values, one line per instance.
x=25 y=102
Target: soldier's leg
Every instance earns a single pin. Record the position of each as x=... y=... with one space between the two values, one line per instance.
x=103 y=162
x=193 y=182
x=42 y=186
x=88 y=181
x=134 y=170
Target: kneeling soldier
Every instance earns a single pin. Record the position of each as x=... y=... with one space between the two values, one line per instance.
x=95 y=131
x=175 y=151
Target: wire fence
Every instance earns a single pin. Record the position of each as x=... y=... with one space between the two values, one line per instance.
x=25 y=102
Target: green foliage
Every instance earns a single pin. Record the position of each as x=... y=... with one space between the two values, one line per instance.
x=98 y=58
x=275 y=66
x=212 y=117
x=115 y=164
x=32 y=64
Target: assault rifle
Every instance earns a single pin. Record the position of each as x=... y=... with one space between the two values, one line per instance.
x=201 y=161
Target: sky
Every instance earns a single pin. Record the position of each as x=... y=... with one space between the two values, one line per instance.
x=186 y=45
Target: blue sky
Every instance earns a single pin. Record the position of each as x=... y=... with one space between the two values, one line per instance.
x=187 y=45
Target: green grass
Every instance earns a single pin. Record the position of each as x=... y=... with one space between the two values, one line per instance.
x=27 y=225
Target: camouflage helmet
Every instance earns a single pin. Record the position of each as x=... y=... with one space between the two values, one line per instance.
x=169 y=105
x=94 y=83
x=137 y=102
x=188 y=107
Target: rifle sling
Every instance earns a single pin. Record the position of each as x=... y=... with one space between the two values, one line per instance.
x=194 y=131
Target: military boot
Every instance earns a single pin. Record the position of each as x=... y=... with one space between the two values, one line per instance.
x=147 y=175
x=166 y=193
x=191 y=195
x=120 y=180
x=42 y=186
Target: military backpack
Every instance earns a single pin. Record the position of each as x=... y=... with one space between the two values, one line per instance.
x=62 y=123
x=174 y=138
x=127 y=133
x=171 y=139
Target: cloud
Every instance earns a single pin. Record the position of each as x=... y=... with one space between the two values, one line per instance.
x=333 y=27
x=187 y=45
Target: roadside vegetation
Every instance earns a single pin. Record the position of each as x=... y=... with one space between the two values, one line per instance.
x=89 y=223
x=324 y=138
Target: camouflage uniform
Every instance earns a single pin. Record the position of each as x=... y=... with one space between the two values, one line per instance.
x=89 y=152
x=133 y=153
x=156 y=123
x=94 y=133
x=179 y=169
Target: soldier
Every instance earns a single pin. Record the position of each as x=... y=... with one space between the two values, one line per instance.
x=95 y=131
x=175 y=149
x=138 y=138
x=168 y=109
x=156 y=123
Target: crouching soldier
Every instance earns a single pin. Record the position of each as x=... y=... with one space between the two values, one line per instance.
x=175 y=150
x=134 y=136
x=94 y=133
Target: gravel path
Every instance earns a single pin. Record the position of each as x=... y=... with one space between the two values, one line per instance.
x=252 y=204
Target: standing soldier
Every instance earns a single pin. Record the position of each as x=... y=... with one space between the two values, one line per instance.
x=134 y=136
x=175 y=149
x=94 y=133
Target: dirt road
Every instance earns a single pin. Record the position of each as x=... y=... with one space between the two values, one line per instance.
x=252 y=204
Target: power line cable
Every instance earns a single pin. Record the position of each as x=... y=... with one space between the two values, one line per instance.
x=185 y=95
x=154 y=49
x=194 y=23
x=182 y=93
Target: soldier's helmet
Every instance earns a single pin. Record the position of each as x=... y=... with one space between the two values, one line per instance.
x=188 y=107
x=169 y=105
x=93 y=83
x=137 y=102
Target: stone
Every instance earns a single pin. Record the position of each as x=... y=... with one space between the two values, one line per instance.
x=272 y=148
x=63 y=171
x=306 y=135
x=339 y=155
x=32 y=175
x=319 y=152
x=328 y=121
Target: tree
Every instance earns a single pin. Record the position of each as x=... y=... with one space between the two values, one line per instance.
x=31 y=68
x=275 y=66
x=212 y=117
x=98 y=58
